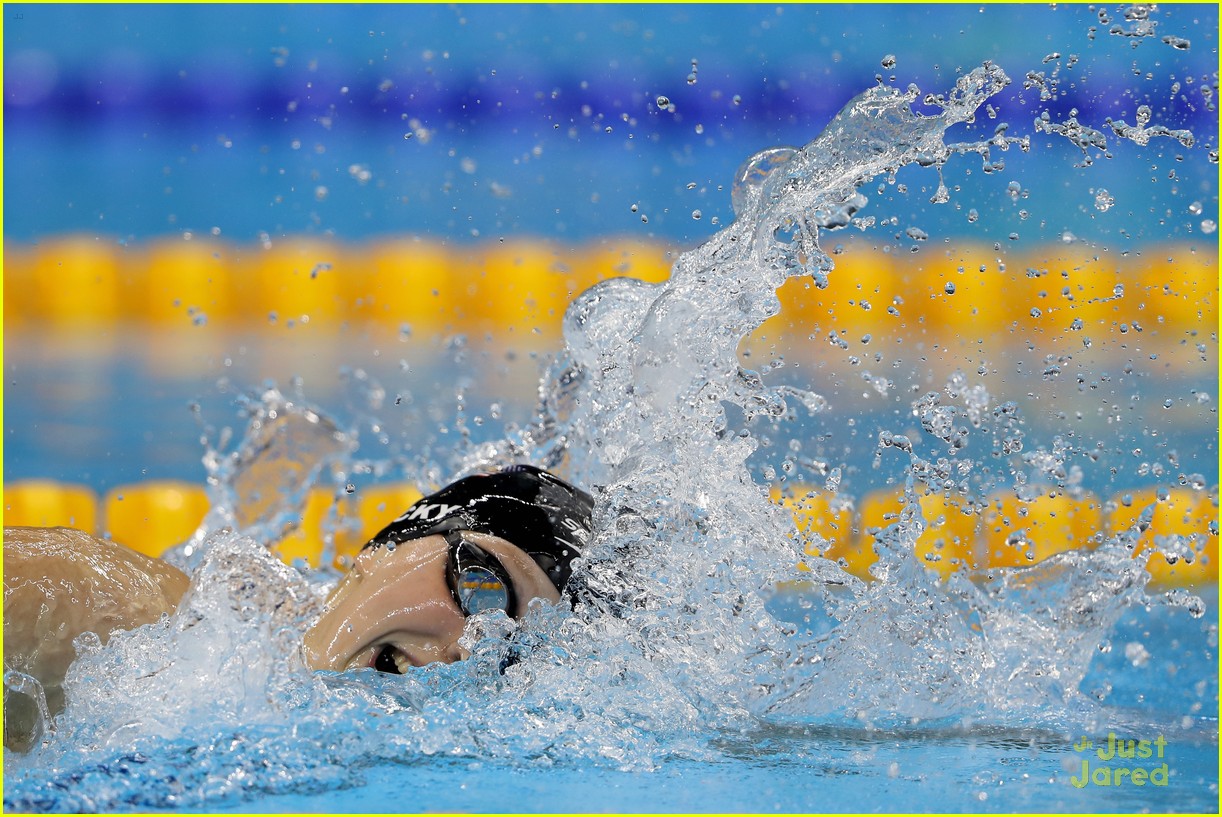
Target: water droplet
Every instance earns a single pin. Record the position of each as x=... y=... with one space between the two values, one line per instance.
x=1104 y=200
x=889 y=62
x=949 y=289
x=750 y=177
x=1195 y=208
x=1208 y=226
x=696 y=214
x=833 y=480
x=663 y=102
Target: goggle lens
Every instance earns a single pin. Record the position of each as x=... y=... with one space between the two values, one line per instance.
x=479 y=589
x=477 y=580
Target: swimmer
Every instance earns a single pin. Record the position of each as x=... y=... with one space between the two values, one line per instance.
x=495 y=541
x=492 y=541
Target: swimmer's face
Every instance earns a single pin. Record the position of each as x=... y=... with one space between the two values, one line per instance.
x=395 y=609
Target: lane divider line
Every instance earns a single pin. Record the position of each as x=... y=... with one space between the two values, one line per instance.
x=1006 y=532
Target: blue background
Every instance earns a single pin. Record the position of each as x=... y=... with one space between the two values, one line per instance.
x=140 y=120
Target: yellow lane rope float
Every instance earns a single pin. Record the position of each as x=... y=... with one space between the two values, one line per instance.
x=1004 y=531
x=518 y=288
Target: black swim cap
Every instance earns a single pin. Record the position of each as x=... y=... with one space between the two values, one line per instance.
x=541 y=514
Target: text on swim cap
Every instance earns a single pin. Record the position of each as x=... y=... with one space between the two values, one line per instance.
x=425 y=512
x=576 y=529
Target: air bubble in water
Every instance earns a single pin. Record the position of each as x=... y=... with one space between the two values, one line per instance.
x=663 y=102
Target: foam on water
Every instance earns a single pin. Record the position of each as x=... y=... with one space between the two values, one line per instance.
x=676 y=646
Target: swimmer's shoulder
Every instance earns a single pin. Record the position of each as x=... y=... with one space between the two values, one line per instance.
x=32 y=553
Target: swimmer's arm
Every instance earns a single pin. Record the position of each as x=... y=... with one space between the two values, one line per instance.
x=59 y=583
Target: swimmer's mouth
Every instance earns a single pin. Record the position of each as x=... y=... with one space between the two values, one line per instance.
x=391 y=659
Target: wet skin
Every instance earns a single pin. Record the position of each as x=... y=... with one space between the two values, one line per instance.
x=59 y=583
x=394 y=609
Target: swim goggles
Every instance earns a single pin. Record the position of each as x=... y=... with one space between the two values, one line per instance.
x=477 y=580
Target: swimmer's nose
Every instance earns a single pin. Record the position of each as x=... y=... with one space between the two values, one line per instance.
x=392 y=640
x=395 y=611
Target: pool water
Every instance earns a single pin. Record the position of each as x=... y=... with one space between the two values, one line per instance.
x=722 y=663
x=997 y=764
